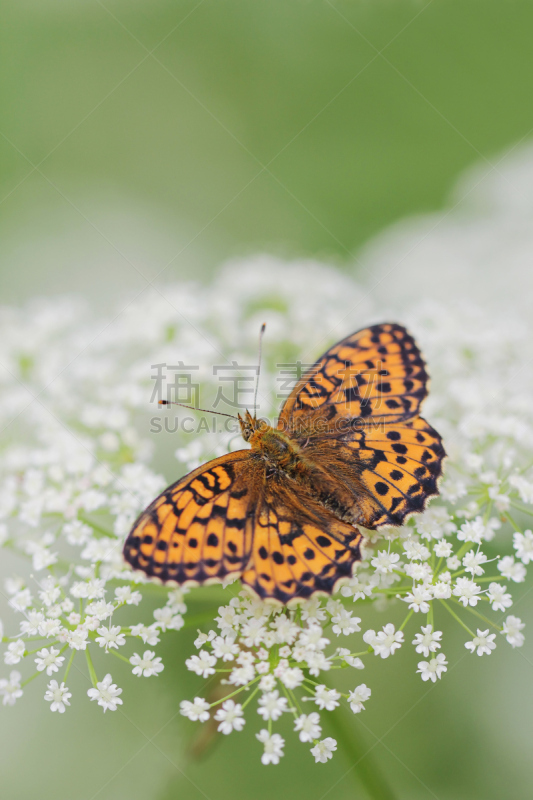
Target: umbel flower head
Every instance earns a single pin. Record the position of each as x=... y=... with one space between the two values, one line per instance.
x=79 y=424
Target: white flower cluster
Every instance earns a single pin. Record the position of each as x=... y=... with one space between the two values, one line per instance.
x=75 y=416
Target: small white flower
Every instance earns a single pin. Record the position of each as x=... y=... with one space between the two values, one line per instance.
x=313 y=612
x=325 y=698
x=416 y=551
x=453 y=563
x=49 y=627
x=285 y=629
x=385 y=642
x=21 y=600
x=204 y=638
x=202 y=664
x=197 y=711
x=433 y=669
x=10 y=688
x=501 y=500
x=254 y=632
x=225 y=647
x=49 y=660
x=344 y=623
x=15 y=651
x=483 y=643
x=316 y=662
x=58 y=695
x=323 y=750
x=442 y=590
x=149 y=634
x=358 y=697
x=166 y=619
x=240 y=676
x=443 y=549
x=472 y=531
x=272 y=706
x=523 y=544
x=467 y=591
x=428 y=641
x=513 y=571
x=419 y=599
x=77 y=639
x=512 y=628
x=499 y=597
x=385 y=562
x=230 y=716
x=352 y=661
x=311 y=638
x=110 y=637
x=100 y=609
x=419 y=571
x=107 y=694
x=472 y=562
x=273 y=746
x=292 y=677
x=267 y=683
x=30 y=625
x=524 y=487
x=308 y=726
x=125 y=594
x=148 y=665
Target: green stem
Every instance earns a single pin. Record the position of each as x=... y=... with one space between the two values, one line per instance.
x=486 y=620
x=119 y=655
x=364 y=765
x=458 y=619
x=237 y=691
x=251 y=697
x=519 y=508
x=92 y=672
x=71 y=659
x=25 y=683
x=513 y=523
x=430 y=620
x=406 y=620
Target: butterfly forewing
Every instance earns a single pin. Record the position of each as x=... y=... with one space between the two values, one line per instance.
x=376 y=372
x=197 y=529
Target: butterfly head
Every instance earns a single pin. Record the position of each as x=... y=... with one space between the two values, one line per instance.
x=249 y=425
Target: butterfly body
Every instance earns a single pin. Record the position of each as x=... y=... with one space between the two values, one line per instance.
x=349 y=449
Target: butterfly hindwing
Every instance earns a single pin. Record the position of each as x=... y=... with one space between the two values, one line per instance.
x=400 y=465
x=197 y=529
x=299 y=548
x=377 y=473
x=376 y=372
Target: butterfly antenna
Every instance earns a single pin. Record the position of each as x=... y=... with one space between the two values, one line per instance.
x=261 y=332
x=193 y=408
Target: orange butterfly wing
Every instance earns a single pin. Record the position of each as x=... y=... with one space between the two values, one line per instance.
x=219 y=520
x=298 y=546
x=196 y=531
x=355 y=414
x=378 y=474
x=376 y=372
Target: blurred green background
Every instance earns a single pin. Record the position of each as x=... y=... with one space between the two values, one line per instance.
x=140 y=136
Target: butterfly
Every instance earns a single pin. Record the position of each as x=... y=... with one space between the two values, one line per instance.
x=349 y=449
